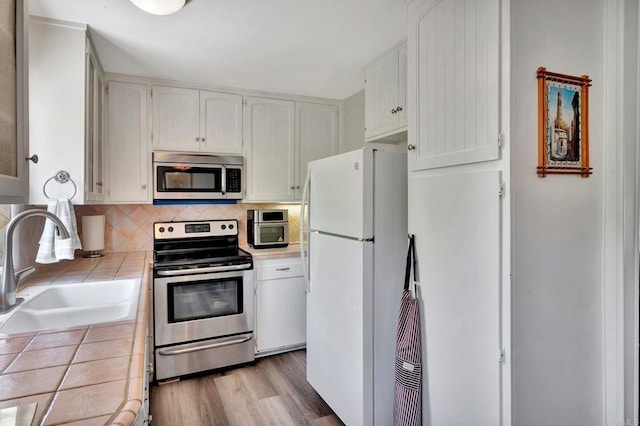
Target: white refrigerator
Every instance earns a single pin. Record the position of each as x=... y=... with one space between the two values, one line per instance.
x=355 y=228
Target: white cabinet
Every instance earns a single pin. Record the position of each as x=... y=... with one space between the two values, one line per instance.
x=281 y=305
x=196 y=120
x=453 y=81
x=94 y=127
x=281 y=138
x=127 y=148
x=316 y=136
x=14 y=117
x=66 y=99
x=385 y=97
x=270 y=149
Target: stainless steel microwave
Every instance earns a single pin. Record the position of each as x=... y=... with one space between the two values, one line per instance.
x=268 y=228
x=195 y=176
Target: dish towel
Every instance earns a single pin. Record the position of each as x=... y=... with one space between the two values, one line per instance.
x=52 y=247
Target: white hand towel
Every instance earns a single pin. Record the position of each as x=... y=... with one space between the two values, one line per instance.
x=52 y=247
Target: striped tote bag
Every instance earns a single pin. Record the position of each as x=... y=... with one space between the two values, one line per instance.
x=407 y=407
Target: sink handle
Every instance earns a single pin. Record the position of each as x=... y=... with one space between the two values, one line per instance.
x=24 y=273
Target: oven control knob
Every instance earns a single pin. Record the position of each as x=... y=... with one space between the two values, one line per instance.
x=171 y=229
x=230 y=226
x=224 y=227
x=161 y=229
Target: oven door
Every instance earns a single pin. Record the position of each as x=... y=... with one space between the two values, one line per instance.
x=202 y=306
x=188 y=181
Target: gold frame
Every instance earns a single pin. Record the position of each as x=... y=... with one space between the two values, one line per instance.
x=545 y=165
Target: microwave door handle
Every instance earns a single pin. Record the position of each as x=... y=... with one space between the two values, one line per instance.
x=224 y=180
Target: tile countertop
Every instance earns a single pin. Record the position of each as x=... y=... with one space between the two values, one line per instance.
x=90 y=375
x=292 y=250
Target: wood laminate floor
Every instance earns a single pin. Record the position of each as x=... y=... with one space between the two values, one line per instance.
x=273 y=391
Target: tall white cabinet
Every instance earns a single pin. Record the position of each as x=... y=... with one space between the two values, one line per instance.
x=456 y=208
x=128 y=158
x=66 y=110
x=270 y=149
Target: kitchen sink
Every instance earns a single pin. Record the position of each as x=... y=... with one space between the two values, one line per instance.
x=71 y=305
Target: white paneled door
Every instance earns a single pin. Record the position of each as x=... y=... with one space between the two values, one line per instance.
x=456 y=219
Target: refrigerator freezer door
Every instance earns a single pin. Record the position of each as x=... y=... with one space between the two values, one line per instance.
x=341 y=194
x=335 y=341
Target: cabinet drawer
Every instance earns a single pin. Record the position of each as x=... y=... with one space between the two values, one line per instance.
x=281 y=268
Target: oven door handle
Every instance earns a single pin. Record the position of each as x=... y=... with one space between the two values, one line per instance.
x=170 y=352
x=227 y=268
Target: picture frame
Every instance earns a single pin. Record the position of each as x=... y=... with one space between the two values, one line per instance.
x=563 y=124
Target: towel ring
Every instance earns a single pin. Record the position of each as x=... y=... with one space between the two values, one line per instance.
x=60 y=177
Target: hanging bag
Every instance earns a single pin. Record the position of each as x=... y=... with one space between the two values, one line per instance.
x=407 y=407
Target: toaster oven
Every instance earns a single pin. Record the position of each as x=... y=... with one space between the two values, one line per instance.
x=267 y=228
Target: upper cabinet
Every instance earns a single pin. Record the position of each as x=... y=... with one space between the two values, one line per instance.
x=66 y=99
x=128 y=156
x=14 y=124
x=316 y=136
x=453 y=81
x=270 y=149
x=281 y=138
x=385 y=97
x=196 y=120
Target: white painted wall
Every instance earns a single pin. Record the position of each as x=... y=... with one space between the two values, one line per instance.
x=557 y=231
x=352 y=129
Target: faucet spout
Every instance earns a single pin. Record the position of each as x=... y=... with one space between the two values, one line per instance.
x=9 y=279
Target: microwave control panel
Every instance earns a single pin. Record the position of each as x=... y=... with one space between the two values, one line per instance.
x=234 y=180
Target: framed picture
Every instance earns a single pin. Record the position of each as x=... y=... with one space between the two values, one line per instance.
x=563 y=124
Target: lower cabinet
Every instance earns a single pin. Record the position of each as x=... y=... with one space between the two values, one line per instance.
x=281 y=305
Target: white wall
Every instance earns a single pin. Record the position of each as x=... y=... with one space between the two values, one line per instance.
x=557 y=237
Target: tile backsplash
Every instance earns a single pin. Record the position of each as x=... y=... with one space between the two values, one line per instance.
x=129 y=227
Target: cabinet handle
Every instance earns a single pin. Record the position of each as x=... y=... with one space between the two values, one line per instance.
x=411 y=147
x=293 y=187
x=33 y=158
x=393 y=111
x=201 y=139
x=399 y=109
x=297 y=186
x=197 y=139
x=283 y=269
x=99 y=183
x=144 y=186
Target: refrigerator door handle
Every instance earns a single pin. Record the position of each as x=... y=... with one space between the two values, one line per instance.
x=303 y=255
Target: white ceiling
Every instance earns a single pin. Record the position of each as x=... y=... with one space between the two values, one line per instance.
x=304 y=47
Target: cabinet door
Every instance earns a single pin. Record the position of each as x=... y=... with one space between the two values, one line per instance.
x=402 y=86
x=220 y=122
x=94 y=128
x=381 y=95
x=176 y=119
x=280 y=313
x=270 y=149
x=453 y=82
x=456 y=218
x=316 y=135
x=13 y=114
x=128 y=162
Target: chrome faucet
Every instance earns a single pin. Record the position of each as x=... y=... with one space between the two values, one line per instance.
x=10 y=280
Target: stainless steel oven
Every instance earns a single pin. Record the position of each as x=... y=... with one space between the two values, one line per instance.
x=203 y=298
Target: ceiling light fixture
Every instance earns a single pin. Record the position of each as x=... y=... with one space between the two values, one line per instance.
x=160 y=7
